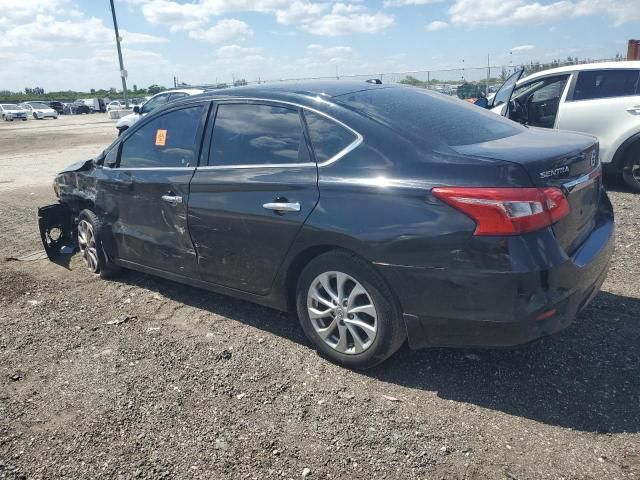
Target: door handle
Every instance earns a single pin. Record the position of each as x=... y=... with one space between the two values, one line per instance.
x=172 y=199
x=635 y=109
x=282 y=206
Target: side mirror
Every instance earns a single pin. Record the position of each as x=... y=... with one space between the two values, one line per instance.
x=136 y=109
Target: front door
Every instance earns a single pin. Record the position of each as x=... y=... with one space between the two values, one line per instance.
x=248 y=204
x=144 y=197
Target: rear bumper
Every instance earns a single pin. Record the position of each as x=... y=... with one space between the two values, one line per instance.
x=499 y=309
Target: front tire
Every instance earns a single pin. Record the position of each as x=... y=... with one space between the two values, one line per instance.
x=89 y=231
x=348 y=311
x=35 y=115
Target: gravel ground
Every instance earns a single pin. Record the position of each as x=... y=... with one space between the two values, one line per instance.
x=139 y=377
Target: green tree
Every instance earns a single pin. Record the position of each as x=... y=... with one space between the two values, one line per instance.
x=153 y=89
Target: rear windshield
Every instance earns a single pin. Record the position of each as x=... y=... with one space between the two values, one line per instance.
x=431 y=117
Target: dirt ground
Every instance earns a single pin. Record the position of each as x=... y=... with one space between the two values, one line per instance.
x=139 y=377
x=32 y=152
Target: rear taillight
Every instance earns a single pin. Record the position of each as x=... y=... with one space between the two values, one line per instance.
x=507 y=211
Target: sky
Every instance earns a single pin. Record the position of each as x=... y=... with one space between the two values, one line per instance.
x=69 y=44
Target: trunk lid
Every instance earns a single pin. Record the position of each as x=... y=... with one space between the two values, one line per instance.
x=557 y=159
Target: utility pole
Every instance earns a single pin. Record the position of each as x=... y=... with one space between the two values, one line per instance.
x=488 y=74
x=123 y=72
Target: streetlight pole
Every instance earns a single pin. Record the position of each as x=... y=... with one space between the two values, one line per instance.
x=123 y=72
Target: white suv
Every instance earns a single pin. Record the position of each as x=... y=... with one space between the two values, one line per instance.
x=154 y=102
x=602 y=99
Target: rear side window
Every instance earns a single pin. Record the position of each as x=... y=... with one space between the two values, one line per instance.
x=251 y=134
x=606 y=84
x=327 y=137
x=430 y=117
x=170 y=140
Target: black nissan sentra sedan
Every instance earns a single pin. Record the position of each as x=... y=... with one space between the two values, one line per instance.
x=378 y=213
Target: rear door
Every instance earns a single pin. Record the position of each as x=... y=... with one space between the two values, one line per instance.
x=144 y=196
x=604 y=103
x=248 y=204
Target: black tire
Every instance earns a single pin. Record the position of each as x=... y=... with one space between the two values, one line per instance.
x=106 y=268
x=631 y=168
x=391 y=331
x=35 y=116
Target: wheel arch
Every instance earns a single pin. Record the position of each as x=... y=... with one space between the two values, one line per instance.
x=304 y=256
x=617 y=162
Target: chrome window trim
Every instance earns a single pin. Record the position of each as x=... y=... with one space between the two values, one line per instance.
x=352 y=146
x=132 y=169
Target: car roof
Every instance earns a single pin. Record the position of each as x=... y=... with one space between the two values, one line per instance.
x=628 y=65
x=293 y=90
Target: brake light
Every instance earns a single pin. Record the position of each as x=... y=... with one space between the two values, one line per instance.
x=507 y=211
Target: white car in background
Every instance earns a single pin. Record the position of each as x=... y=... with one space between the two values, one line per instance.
x=154 y=102
x=601 y=99
x=10 y=112
x=115 y=105
x=39 y=110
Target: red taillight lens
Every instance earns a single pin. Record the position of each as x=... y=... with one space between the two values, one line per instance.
x=507 y=211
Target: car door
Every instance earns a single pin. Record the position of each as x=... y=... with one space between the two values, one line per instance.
x=248 y=204
x=536 y=103
x=604 y=103
x=144 y=196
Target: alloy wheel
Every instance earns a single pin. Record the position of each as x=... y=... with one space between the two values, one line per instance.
x=342 y=312
x=87 y=243
x=635 y=169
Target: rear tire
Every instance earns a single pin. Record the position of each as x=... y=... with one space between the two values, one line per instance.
x=89 y=232
x=357 y=321
x=631 y=168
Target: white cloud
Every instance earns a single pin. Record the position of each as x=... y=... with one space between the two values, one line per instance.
x=236 y=52
x=300 y=12
x=225 y=30
x=405 y=3
x=349 y=18
x=436 y=25
x=523 y=48
x=332 y=55
x=178 y=16
x=516 y=12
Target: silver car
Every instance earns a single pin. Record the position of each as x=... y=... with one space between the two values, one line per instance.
x=39 y=110
x=10 y=112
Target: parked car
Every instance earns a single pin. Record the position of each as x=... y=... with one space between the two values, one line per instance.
x=10 y=112
x=57 y=106
x=115 y=105
x=601 y=99
x=39 y=110
x=76 y=108
x=379 y=214
x=154 y=102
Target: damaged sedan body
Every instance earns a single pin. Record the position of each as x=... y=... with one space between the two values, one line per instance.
x=378 y=214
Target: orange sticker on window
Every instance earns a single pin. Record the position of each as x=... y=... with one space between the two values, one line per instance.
x=161 y=138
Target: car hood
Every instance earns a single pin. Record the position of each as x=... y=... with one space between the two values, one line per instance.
x=127 y=119
x=78 y=166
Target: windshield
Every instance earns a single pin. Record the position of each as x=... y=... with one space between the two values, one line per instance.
x=10 y=106
x=430 y=117
x=39 y=105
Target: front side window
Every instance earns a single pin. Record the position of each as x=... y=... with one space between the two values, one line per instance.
x=327 y=137
x=154 y=103
x=171 y=140
x=606 y=84
x=251 y=134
